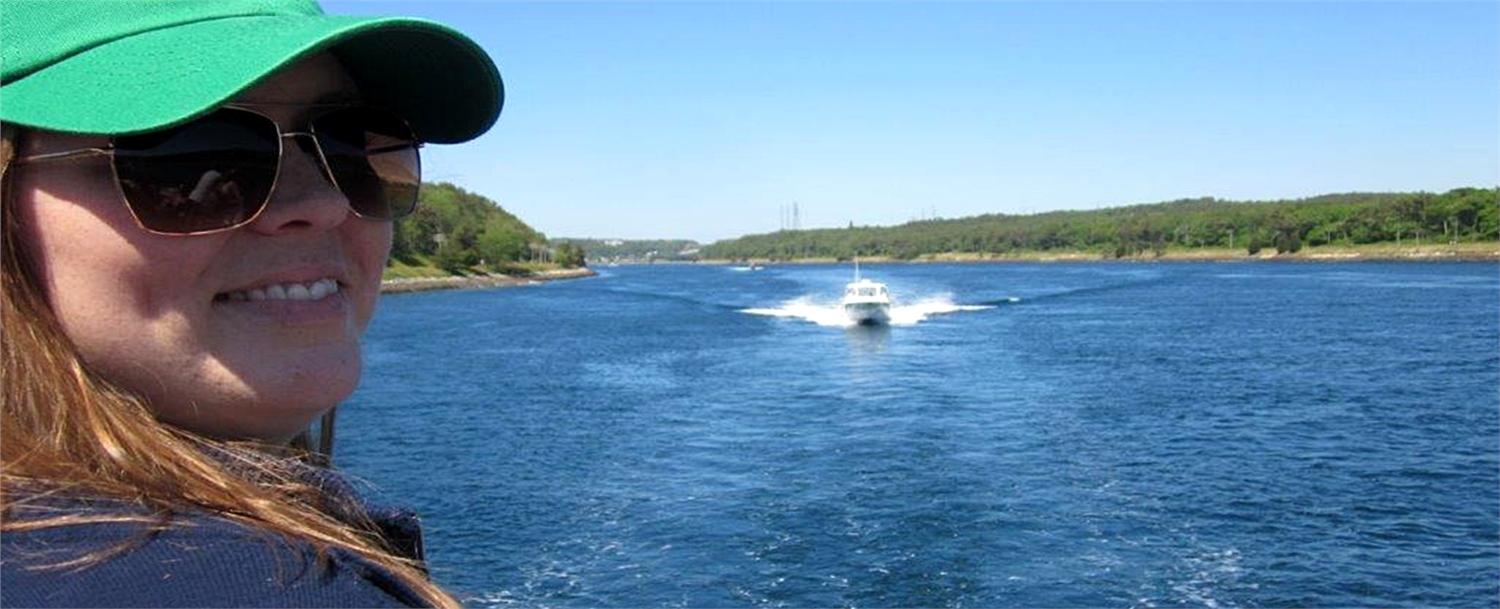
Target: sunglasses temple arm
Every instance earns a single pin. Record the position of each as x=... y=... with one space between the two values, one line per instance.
x=66 y=154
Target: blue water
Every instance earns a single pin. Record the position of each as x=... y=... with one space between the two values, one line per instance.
x=1112 y=435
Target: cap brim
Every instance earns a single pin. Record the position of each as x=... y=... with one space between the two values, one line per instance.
x=443 y=83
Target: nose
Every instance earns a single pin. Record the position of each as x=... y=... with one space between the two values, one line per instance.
x=304 y=199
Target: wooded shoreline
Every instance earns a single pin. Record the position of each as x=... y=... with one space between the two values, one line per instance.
x=1350 y=223
x=1363 y=253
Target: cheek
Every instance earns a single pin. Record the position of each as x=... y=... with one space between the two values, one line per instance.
x=53 y=225
x=105 y=279
x=369 y=244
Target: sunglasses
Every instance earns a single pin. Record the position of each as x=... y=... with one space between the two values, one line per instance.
x=217 y=173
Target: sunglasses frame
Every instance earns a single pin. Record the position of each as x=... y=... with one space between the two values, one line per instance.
x=311 y=134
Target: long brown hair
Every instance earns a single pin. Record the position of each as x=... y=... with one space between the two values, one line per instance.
x=66 y=428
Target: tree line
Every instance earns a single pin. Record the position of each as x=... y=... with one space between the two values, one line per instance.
x=634 y=250
x=1459 y=215
x=459 y=230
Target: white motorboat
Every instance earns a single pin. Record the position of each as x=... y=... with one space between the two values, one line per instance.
x=867 y=302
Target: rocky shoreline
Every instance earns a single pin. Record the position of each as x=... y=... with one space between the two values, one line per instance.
x=492 y=280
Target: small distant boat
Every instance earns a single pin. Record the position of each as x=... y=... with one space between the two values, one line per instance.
x=867 y=302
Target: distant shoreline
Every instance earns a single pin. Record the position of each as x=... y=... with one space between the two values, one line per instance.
x=1466 y=252
x=493 y=280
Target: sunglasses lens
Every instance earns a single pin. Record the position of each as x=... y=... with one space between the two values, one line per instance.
x=373 y=156
x=210 y=174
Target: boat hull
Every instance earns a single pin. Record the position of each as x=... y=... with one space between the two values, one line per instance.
x=868 y=313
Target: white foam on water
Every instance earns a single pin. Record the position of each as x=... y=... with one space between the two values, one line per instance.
x=804 y=308
x=910 y=315
x=831 y=314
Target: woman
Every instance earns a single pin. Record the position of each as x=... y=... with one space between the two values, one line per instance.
x=197 y=204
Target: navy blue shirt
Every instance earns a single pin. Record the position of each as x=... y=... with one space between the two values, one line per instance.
x=200 y=560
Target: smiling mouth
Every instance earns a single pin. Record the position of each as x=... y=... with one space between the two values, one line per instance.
x=315 y=290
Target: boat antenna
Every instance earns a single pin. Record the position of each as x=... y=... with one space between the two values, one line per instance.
x=856 y=268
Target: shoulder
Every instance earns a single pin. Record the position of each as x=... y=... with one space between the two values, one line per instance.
x=197 y=560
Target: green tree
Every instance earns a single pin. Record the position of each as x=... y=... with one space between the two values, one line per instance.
x=1287 y=242
x=452 y=257
x=570 y=255
x=501 y=242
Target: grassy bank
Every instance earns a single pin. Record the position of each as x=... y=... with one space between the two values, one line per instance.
x=424 y=267
x=414 y=268
x=419 y=274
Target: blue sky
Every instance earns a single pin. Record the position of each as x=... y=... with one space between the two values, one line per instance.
x=702 y=120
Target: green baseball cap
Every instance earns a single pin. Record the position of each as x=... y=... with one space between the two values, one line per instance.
x=113 y=67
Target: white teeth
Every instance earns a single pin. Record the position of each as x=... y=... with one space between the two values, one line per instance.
x=316 y=290
x=321 y=288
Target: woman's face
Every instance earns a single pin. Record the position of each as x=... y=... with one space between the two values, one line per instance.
x=159 y=315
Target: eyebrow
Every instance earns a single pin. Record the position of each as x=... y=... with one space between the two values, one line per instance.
x=341 y=97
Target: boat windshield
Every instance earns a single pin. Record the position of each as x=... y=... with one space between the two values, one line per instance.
x=866 y=290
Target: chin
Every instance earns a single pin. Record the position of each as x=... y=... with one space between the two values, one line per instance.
x=276 y=419
x=315 y=387
x=279 y=403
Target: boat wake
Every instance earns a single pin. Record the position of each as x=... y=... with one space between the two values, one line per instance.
x=831 y=314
